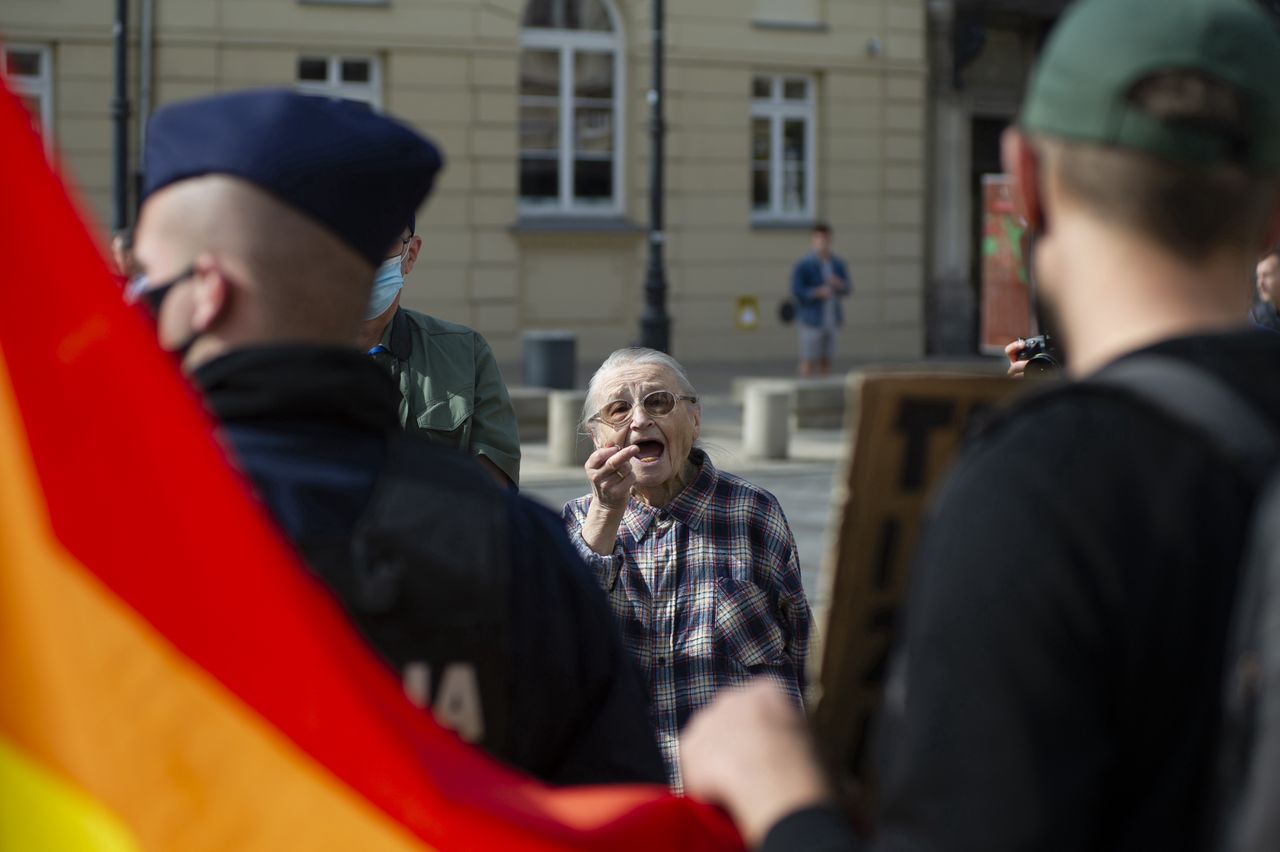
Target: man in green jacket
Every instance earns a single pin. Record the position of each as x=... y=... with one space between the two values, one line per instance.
x=451 y=390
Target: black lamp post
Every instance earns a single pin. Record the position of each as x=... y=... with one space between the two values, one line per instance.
x=120 y=115
x=655 y=324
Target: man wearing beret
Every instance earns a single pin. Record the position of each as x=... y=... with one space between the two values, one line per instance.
x=264 y=216
x=1058 y=682
x=451 y=391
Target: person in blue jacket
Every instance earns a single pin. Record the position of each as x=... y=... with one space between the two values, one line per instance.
x=818 y=283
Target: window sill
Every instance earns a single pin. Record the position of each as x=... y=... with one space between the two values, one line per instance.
x=783 y=224
x=793 y=26
x=618 y=225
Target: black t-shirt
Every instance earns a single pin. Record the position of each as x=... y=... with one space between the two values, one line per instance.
x=1058 y=675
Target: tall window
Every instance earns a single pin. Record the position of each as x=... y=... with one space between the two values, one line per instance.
x=352 y=78
x=782 y=147
x=570 y=108
x=29 y=74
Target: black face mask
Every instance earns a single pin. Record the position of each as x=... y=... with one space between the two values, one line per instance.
x=153 y=298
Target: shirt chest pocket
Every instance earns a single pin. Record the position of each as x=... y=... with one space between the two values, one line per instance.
x=444 y=421
x=746 y=628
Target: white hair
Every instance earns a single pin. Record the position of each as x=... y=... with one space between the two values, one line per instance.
x=632 y=356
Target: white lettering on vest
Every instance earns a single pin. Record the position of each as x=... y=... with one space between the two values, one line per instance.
x=457 y=704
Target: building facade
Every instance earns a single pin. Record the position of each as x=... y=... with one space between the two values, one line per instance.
x=779 y=113
x=980 y=55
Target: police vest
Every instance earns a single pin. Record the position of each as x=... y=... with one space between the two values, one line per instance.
x=424 y=577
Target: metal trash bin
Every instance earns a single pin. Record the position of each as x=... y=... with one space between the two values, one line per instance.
x=550 y=359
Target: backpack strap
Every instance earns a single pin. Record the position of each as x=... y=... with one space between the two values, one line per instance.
x=1242 y=811
x=1247 y=774
x=1196 y=397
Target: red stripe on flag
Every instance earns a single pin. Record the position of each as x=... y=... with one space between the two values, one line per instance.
x=140 y=493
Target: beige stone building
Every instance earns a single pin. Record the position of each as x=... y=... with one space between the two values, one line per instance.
x=780 y=113
x=980 y=55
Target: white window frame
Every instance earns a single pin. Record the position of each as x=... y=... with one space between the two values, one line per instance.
x=568 y=43
x=333 y=86
x=778 y=111
x=40 y=87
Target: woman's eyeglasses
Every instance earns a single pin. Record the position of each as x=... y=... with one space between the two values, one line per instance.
x=656 y=404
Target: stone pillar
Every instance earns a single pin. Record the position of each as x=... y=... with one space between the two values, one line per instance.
x=565 y=446
x=766 y=414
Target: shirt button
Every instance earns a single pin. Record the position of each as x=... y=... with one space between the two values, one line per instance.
x=662 y=661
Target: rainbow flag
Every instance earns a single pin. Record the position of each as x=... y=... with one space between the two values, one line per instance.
x=170 y=677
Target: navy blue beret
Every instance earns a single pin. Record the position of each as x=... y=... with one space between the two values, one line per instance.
x=360 y=174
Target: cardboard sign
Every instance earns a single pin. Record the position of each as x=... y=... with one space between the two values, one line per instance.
x=1006 y=294
x=906 y=430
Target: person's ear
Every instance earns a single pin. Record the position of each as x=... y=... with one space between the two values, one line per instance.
x=697 y=420
x=211 y=292
x=411 y=250
x=1023 y=164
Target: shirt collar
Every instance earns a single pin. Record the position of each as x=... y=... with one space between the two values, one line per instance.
x=324 y=384
x=397 y=337
x=689 y=506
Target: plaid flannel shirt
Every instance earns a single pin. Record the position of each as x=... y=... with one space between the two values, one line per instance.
x=707 y=594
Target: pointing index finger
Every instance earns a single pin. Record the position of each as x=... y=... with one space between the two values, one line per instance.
x=623 y=456
x=600 y=457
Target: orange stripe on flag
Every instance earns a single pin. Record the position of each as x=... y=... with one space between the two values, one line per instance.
x=159 y=641
x=96 y=695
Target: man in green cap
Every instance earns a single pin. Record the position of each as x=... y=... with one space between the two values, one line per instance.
x=1057 y=681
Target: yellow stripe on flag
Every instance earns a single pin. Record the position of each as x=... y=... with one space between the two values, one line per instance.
x=94 y=694
x=41 y=813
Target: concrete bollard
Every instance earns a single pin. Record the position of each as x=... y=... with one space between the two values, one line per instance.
x=766 y=415
x=530 y=406
x=565 y=446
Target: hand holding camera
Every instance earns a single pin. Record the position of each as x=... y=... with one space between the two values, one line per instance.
x=1037 y=356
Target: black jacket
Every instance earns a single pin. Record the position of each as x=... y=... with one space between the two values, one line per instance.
x=1058 y=677
x=316 y=430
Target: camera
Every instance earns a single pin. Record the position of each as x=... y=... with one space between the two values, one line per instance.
x=1041 y=355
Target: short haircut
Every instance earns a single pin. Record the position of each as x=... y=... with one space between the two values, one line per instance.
x=311 y=284
x=1189 y=210
x=821 y=228
x=632 y=356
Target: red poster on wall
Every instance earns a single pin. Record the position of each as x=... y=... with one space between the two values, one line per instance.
x=1006 y=295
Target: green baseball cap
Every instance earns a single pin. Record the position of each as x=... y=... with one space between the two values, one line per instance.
x=1080 y=88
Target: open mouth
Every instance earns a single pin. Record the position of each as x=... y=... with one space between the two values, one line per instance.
x=649 y=451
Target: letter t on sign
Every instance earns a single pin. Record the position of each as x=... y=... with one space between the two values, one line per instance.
x=916 y=419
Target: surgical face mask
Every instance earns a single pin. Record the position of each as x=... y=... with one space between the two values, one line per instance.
x=386 y=284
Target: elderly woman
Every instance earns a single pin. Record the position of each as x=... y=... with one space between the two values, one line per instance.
x=699 y=566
